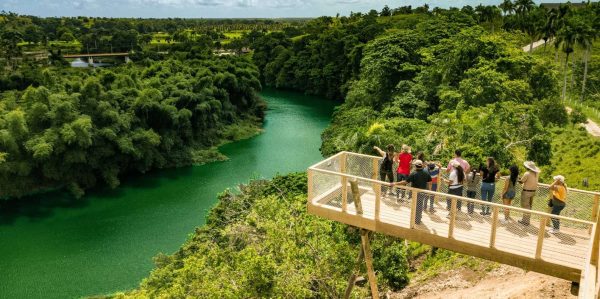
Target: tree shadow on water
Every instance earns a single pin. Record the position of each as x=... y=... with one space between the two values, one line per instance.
x=39 y=206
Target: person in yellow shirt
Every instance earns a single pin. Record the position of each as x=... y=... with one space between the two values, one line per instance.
x=558 y=201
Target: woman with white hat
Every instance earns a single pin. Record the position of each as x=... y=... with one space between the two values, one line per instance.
x=559 y=198
x=530 y=184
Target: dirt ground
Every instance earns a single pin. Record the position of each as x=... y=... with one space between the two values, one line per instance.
x=499 y=283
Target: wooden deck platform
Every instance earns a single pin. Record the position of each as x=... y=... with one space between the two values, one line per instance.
x=571 y=254
x=565 y=251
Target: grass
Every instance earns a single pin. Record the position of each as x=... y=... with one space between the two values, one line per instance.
x=576 y=155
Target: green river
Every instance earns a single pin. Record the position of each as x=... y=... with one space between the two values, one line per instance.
x=54 y=246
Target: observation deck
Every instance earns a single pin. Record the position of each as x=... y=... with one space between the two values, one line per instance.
x=346 y=188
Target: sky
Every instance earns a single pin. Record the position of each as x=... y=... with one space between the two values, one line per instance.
x=214 y=8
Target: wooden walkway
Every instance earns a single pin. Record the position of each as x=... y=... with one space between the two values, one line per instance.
x=571 y=254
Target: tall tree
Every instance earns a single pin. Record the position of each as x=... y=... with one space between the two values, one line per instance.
x=507 y=7
x=566 y=38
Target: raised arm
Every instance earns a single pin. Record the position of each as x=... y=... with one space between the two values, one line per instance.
x=381 y=153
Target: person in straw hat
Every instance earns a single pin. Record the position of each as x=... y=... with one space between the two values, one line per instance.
x=559 y=198
x=530 y=184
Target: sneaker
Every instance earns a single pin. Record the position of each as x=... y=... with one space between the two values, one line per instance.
x=503 y=221
x=523 y=223
x=448 y=215
x=555 y=231
x=431 y=210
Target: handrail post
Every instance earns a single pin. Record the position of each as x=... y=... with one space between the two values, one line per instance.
x=595 y=210
x=540 y=240
x=376 y=187
x=413 y=209
x=344 y=183
x=494 y=226
x=377 y=201
x=452 y=218
x=310 y=194
x=375 y=173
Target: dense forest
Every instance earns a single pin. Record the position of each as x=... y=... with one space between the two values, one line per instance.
x=78 y=128
x=437 y=79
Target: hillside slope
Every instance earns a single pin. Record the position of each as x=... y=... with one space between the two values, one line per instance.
x=501 y=282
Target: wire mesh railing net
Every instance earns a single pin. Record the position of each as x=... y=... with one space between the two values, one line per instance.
x=579 y=204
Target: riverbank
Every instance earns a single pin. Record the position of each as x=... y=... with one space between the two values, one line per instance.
x=241 y=130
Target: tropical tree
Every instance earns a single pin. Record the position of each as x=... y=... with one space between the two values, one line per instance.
x=566 y=38
x=9 y=40
x=585 y=39
x=507 y=7
x=550 y=27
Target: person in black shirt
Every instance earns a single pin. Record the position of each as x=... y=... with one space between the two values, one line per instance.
x=419 y=179
x=489 y=175
x=386 y=169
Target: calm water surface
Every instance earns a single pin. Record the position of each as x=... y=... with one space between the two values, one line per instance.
x=54 y=246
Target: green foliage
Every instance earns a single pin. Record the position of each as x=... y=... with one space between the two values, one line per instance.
x=81 y=127
x=551 y=112
x=577 y=117
x=259 y=243
x=390 y=261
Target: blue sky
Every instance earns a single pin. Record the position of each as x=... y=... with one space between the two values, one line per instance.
x=212 y=8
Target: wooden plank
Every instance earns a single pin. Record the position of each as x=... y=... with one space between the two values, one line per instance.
x=356 y=197
x=352 y=278
x=310 y=185
x=375 y=172
x=413 y=209
x=540 y=240
x=494 y=227
x=364 y=236
x=595 y=210
x=344 y=182
x=452 y=219
x=377 y=202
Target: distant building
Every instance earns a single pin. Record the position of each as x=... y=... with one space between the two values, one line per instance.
x=550 y=5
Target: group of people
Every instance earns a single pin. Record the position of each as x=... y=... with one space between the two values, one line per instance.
x=423 y=174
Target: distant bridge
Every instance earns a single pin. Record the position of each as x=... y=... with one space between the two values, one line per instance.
x=345 y=188
x=90 y=56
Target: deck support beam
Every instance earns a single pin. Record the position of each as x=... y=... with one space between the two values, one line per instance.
x=352 y=279
x=366 y=247
x=366 y=255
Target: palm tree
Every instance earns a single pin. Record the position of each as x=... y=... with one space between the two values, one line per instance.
x=549 y=30
x=566 y=38
x=525 y=21
x=507 y=7
x=585 y=38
